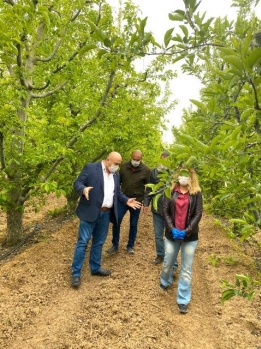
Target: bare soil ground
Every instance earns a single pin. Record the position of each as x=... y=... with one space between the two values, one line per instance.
x=39 y=309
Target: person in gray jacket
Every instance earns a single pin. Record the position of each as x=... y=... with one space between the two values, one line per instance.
x=158 y=221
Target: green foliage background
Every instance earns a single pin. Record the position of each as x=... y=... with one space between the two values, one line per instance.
x=70 y=93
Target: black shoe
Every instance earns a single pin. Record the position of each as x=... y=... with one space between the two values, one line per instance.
x=76 y=281
x=183 y=308
x=158 y=260
x=102 y=272
x=130 y=250
x=164 y=288
x=112 y=250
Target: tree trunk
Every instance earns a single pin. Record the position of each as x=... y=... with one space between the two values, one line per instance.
x=14 y=225
x=72 y=198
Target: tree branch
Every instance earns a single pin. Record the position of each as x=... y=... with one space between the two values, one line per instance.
x=75 y=138
x=257 y=107
x=10 y=2
x=182 y=51
x=73 y=18
x=2 y=154
x=250 y=145
x=19 y=63
x=43 y=87
x=98 y=112
x=49 y=93
x=49 y=58
x=59 y=43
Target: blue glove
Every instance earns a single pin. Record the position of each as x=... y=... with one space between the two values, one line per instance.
x=178 y=234
x=175 y=233
x=182 y=234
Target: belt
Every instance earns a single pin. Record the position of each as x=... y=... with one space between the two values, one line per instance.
x=105 y=209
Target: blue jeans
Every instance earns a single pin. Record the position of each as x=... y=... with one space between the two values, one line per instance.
x=98 y=230
x=134 y=217
x=158 y=225
x=187 y=256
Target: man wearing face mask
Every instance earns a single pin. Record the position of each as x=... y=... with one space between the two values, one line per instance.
x=134 y=174
x=98 y=186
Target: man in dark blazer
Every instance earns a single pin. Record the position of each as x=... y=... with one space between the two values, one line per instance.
x=98 y=186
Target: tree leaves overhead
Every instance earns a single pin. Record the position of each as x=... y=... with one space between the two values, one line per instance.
x=70 y=94
x=222 y=129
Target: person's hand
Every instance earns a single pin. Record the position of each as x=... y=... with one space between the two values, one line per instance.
x=178 y=234
x=175 y=233
x=182 y=234
x=86 y=192
x=134 y=204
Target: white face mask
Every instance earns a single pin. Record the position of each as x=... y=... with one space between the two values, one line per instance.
x=183 y=180
x=113 y=168
x=135 y=163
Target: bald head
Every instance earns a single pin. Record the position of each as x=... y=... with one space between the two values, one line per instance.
x=136 y=155
x=112 y=162
x=115 y=157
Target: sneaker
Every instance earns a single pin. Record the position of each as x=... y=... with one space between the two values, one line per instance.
x=183 y=308
x=164 y=288
x=130 y=250
x=75 y=282
x=158 y=260
x=112 y=250
x=101 y=272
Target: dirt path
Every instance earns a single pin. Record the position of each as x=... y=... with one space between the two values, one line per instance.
x=39 y=310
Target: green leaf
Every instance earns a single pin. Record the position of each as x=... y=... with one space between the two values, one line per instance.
x=176 y=17
x=234 y=61
x=254 y=58
x=191 y=161
x=237 y=220
x=101 y=53
x=214 y=142
x=228 y=51
x=143 y=24
x=168 y=36
x=185 y=30
x=85 y=49
x=107 y=42
x=155 y=201
x=178 y=147
x=227 y=294
x=246 y=113
x=167 y=192
x=236 y=132
x=200 y=105
x=99 y=33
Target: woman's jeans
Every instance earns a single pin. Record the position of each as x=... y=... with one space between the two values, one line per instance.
x=98 y=230
x=134 y=217
x=187 y=255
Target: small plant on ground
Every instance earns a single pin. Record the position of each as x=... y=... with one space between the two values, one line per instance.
x=245 y=287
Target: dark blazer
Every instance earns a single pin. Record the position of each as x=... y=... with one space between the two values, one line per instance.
x=92 y=176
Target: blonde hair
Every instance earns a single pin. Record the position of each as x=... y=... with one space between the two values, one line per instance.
x=193 y=186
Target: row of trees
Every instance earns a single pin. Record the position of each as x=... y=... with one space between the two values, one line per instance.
x=221 y=135
x=70 y=94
